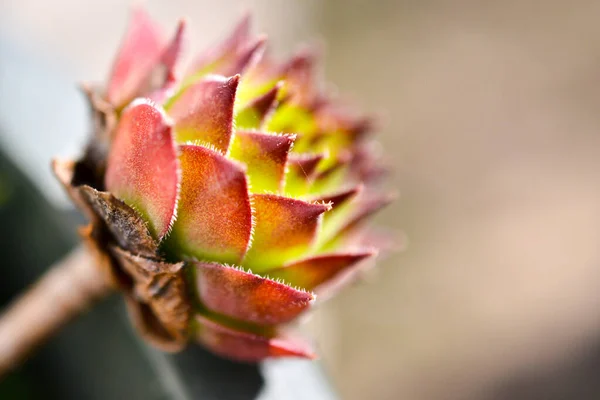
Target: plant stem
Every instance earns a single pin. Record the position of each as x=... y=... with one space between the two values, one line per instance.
x=68 y=288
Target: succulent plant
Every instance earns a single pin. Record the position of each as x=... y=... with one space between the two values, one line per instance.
x=223 y=198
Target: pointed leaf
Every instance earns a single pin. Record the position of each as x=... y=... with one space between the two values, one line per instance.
x=300 y=83
x=294 y=119
x=338 y=199
x=348 y=218
x=343 y=205
x=142 y=168
x=367 y=205
x=265 y=156
x=140 y=50
x=253 y=115
x=259 y=79
x=240 y=33
x=342 y=120
x=332 y=174
x=172 y=54
x=368 y=163
x=215 y=217
x=285 y=229
x=247 y=297
x=238 y=36
x=301 y=173
x=232 y=56
x=312 y=272
x=345 y=278
x=168 y=76
x=245 y=346
x=238 y=62
x=203 y=113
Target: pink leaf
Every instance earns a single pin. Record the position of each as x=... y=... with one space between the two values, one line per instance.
x=299 y=78
x=232 y=56
x=237 y=38
x=140 y=50
x=142 y=167
x=170 y=61
x=245 y=346
x=242 y=59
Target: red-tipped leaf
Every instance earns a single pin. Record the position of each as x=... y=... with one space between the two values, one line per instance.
x=338 y=199
x=312 y=272
x=301 y=173
x=342 y=222
x=239 y=62
x=265 y=156
x=232 y=56
x=215 y=218
x=203 y=113
x=140 y=50
x=285 y=229
x=142 y=168
x=367 y=205
x=169 y=75
x=300 y=78
x=247 y=297
x=245 y=346
x=254 y=115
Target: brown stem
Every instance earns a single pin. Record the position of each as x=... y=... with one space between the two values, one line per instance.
x=68 y=288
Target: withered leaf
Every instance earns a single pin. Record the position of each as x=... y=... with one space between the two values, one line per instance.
x=151 y=329
x=103 y=261
x=103 y=114
x=161 y=287
x=127 y=226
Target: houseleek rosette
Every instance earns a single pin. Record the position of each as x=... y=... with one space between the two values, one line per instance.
x=222 y=198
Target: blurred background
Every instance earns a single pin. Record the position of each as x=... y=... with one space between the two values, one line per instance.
x=493 y=130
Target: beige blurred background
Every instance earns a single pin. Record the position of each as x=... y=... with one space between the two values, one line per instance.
x=493 y=129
